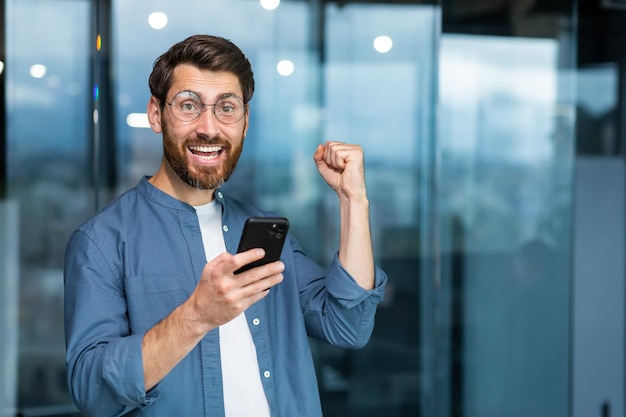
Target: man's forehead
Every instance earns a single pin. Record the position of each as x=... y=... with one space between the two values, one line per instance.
x=205 y=83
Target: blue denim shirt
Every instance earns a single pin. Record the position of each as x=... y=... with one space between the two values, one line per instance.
x=139 y=258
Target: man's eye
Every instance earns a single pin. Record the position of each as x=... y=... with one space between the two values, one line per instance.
x=189 y=107
x=227 y=108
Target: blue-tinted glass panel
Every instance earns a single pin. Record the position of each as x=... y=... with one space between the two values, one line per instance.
x=48 y=145
x=505 y=200
x=383 y=99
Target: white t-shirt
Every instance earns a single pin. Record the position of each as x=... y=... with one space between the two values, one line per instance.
x=243 y=391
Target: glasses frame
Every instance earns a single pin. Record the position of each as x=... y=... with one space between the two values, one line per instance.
x=203 y=106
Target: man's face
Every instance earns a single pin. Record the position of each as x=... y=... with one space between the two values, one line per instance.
x=203 y=152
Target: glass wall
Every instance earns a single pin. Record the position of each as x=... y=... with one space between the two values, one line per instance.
x=506 y=192
x=384 y=101
x=506 y=139
x=48 y=191
x=468 y=114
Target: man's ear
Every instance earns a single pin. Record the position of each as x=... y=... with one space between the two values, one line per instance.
x=154 y=114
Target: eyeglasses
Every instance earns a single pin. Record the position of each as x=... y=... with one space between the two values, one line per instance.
x=186 y=106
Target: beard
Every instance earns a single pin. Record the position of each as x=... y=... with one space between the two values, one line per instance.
x=200 y=177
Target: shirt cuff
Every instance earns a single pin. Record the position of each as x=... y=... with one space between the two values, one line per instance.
x=123 y=372
x=345 y=289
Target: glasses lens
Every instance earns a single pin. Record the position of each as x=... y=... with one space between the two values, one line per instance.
x=229 y=109
x=186 y=106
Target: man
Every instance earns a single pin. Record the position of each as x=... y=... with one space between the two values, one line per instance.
x=157 y=323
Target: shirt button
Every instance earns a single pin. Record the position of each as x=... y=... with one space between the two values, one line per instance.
x=225 y=228
x=256 y=322
x=219 y=194
x=266 y=374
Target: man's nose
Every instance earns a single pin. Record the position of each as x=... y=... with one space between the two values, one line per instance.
x=207 y=118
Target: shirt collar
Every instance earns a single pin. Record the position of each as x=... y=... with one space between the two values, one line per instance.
x=153 y=193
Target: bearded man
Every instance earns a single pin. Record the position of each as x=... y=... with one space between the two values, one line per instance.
x=157 y=322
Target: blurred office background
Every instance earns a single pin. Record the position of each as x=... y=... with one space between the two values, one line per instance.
x=494 y=138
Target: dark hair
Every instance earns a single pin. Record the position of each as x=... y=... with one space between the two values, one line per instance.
x=207 y=53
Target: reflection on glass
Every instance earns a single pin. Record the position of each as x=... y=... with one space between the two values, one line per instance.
x=597 y=113
x=47 y=153
x=9 y=296
x=382 y=101
x=504 y=201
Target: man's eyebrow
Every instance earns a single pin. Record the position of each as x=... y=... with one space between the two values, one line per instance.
x=188 y=92
x=227 y=95
x=202 y=97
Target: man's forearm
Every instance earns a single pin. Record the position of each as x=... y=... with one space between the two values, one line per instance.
x=355 y=247
x=168 y=342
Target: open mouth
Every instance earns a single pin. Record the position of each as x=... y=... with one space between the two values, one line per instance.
x=207 y=153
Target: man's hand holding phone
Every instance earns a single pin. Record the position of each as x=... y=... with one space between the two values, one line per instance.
x=229 y=284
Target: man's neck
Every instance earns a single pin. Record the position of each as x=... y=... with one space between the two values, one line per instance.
x=171 y=184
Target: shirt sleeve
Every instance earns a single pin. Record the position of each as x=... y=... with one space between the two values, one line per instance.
x=104 y=363
x=336 y=308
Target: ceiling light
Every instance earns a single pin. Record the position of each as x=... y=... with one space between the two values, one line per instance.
x=270 y=4
x=38 y=71
x=285 y=68
x=383 y=44
x=137 y=120
x=157 y=20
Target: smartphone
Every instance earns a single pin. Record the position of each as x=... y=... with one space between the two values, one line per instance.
x=268 y=233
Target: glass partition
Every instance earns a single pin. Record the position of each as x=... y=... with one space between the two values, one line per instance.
x=506 y=141
x=384 y=100
x=48 y=190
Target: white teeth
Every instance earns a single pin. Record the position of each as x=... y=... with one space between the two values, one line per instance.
x=207 y=158
x=205 y=148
